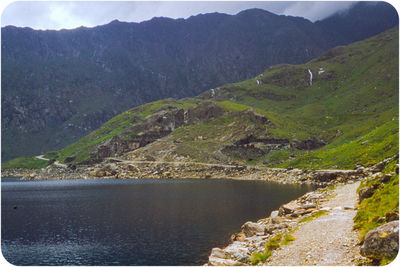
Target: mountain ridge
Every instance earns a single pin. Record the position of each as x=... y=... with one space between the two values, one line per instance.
x=346 y=116
x=59 y=86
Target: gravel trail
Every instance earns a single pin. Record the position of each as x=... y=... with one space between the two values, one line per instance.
x=327 y=240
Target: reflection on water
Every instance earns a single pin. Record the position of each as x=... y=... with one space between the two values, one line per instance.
x=129 y=222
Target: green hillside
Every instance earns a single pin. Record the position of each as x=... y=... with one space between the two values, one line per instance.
x=348 y=116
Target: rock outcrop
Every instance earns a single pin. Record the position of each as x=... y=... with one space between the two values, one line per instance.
x=308 y=144
x=251 y=147
x=366 y=192
x=249 y=229
x=148 y=130
x=203 y=112
x=382 y=241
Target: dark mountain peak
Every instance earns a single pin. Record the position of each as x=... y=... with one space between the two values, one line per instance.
x=255 y=12
x=160 y=20
x=115 y=21
x=208 y=16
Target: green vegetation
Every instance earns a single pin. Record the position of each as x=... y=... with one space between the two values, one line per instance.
x=287 y=239
x=367 y=150
x=272 y=244
x=384 y=200
x=257 y=257
x=352 y=105
x=24 y=162
x=313 y=216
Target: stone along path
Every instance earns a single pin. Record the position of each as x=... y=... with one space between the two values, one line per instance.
x=327 y=240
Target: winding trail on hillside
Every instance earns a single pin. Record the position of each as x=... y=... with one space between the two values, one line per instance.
x=327 y=240
x=41 y=157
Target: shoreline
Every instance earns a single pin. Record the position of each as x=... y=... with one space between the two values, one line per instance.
x=113 y=169
x=254 y=237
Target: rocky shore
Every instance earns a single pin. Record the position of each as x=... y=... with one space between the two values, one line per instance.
x=320 y=225
x=122 y=169
x=255 y=236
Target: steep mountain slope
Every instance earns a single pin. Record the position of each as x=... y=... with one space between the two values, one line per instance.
x=58 y=86
x=369 y=18
x=347 y=115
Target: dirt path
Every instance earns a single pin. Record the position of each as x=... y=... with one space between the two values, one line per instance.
x=327 y=240
x=55 y=163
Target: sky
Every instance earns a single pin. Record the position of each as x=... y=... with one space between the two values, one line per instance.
x=57 y=15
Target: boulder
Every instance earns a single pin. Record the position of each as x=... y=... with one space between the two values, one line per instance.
x=274 y=214
x=214 y=261
x=287 y=208
x=385 y=178
x=271 y=228
x=382 y=241
x=110 y=169
x=238 y=237
x=365 y=192
x=219 y=253
x=251 y=228
x=379 y=166
x=99 y=173
x=276 y=220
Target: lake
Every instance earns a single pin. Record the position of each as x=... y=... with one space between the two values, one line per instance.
x=129 y=222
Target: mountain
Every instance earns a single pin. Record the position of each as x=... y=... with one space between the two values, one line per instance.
x=369 y=18
x=58 y=86
x=338 y=110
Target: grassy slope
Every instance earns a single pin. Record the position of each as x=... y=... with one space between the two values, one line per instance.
x=116 y=126
x=352 y=106
x=384 y=200
x=357 y=103
x=24 y=162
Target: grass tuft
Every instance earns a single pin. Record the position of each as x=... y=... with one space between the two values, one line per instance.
x=313 y=216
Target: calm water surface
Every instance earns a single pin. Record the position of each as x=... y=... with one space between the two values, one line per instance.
x=129 y=222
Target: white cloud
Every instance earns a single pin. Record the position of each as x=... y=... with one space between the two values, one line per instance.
x=67 y=14
x=316 y=10
x=61 y=17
